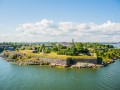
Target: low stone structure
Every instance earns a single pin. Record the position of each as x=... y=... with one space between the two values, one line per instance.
x=75 y=61
x=67 y=62
x=54 y=62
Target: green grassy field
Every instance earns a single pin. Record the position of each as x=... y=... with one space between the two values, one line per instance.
x=54 y=55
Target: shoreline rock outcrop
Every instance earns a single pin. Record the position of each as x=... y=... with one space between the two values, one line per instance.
x=21 y=59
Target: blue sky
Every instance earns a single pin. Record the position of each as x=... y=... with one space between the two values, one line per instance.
x=16 y=12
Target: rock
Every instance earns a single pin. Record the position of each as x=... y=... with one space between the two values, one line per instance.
x=64 y=65
x=73 y=66
x=52 y=64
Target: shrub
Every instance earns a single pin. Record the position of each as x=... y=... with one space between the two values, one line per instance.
x=35 y=51
x=47 y=50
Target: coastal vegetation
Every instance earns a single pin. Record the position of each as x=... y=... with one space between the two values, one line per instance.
x=65 y=53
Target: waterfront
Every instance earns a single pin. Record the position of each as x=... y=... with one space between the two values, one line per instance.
x=15 y=77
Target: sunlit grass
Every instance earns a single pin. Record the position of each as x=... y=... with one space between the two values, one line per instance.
x=54 y=55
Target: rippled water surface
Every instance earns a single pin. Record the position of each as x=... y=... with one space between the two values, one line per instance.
x=14 y=77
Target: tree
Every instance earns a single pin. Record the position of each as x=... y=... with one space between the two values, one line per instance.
x=43 y=48
x=47 y=50
x=74 y=51
x=40 y=49
x=55 y=48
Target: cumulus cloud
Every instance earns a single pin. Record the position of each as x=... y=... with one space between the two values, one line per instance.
x=48 y=29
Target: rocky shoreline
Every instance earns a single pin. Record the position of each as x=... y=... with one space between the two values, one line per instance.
x=53 y=62
x=78 y=65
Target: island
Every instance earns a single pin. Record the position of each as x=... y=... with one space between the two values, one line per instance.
x=60 y=54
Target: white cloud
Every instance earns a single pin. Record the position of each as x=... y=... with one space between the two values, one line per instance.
x=47 y=30
x=46 y=22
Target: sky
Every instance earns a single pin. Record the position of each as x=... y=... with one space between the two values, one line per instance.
x=59 y=20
